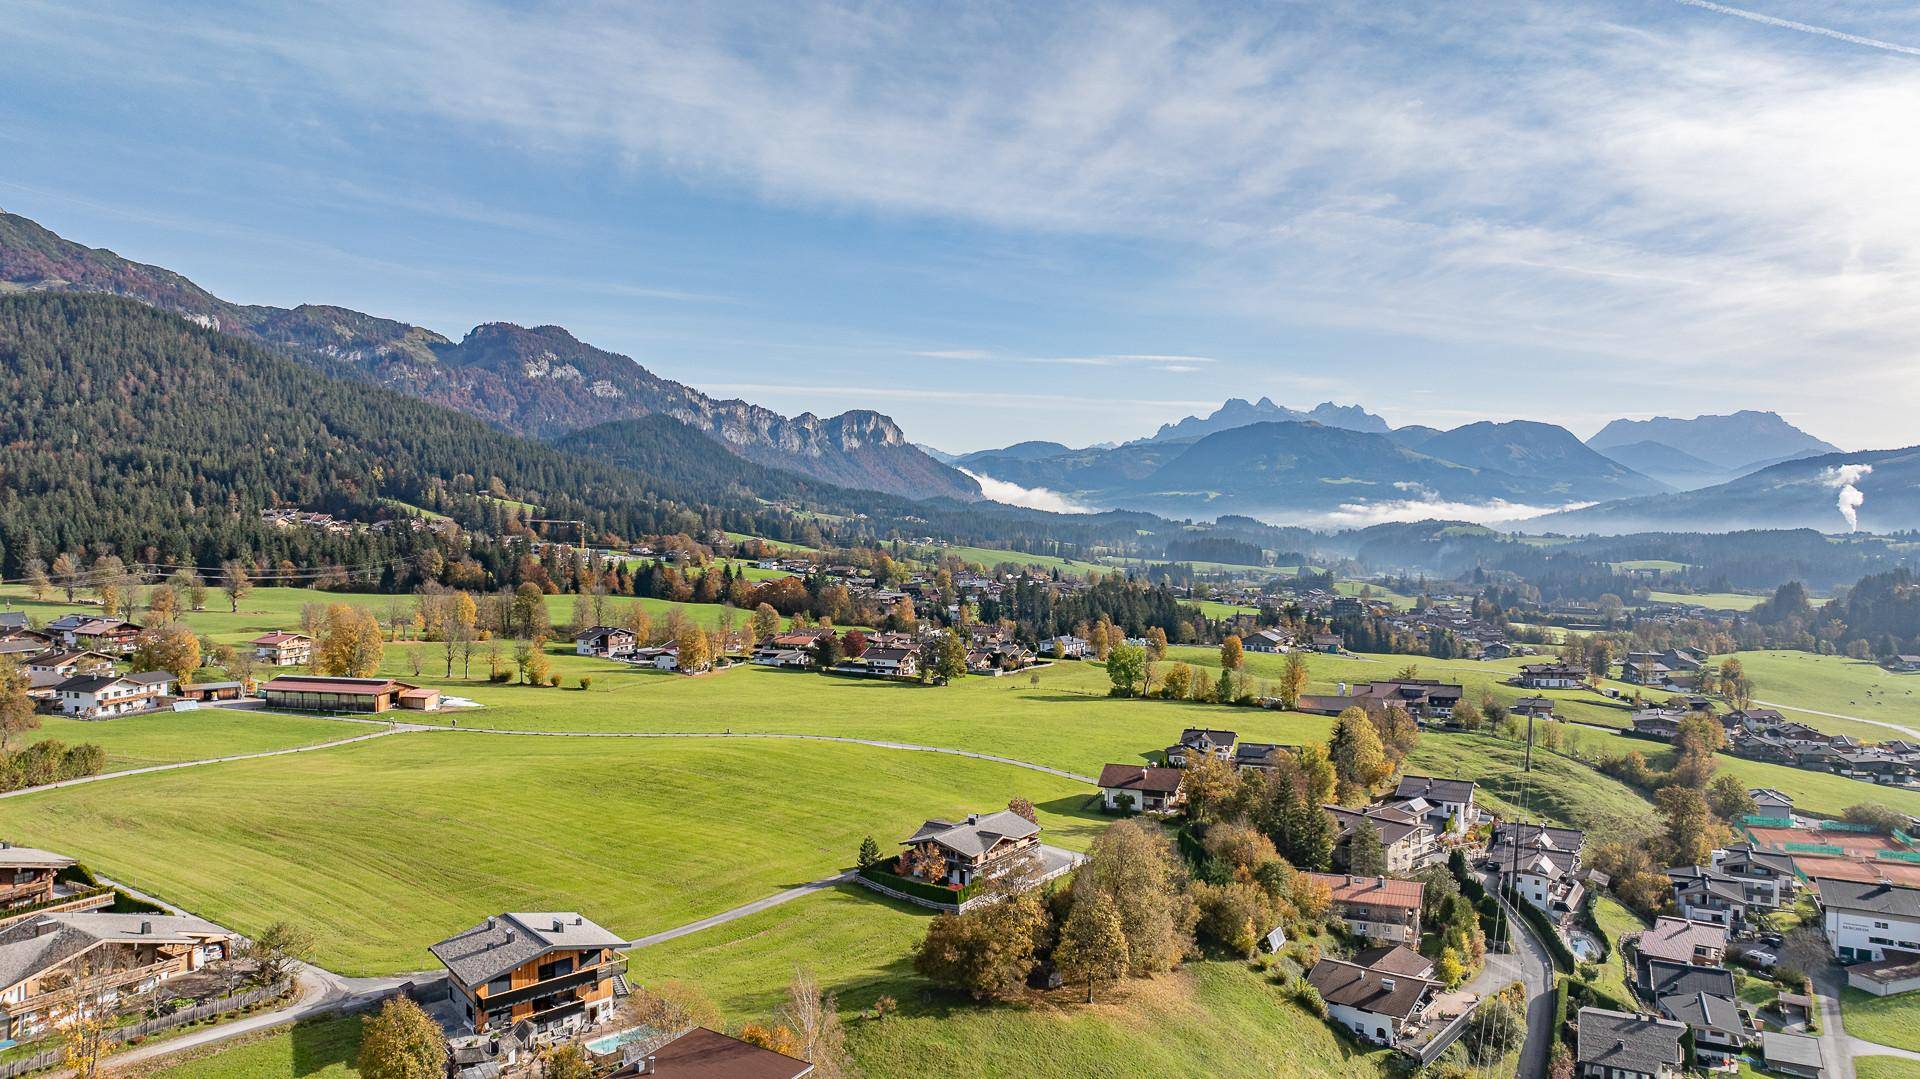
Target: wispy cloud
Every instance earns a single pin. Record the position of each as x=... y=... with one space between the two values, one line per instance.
x=1805 y=28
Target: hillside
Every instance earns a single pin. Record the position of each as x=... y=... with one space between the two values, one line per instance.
x=1540 y=451
x=1675 y=468
x=538 y=381
x=133 y=429
x=1738 y=442
x=1805 y=493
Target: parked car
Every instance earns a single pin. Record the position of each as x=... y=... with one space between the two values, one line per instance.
x=1758 y=959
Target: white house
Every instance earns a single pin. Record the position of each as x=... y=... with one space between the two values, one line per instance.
x=1140 y=788
x=1449 y=802
x=1378 y=1005
x=609 y=641
x=1865 y=918
x=99 y=696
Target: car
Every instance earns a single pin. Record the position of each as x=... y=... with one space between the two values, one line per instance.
x=1772 y=940
x=1760 y=959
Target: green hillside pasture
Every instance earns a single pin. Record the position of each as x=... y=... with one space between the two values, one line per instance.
x=993 y=556
x=1559 y=789
x=1883 y=1067
x=1849 y=687
x=1208 y=1019
x=1891 y=1021
x=1718 y=601
x=1066 y=720
x=1216 y=610
x=138 y=741
x=1813 y=792
x=384 y=847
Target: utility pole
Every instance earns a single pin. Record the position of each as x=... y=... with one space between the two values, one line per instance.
x=1529 y=764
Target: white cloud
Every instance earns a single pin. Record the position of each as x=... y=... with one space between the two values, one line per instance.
x=1361 y=514
x=1039 y=498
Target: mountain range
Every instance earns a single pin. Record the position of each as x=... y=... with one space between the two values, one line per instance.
x=1238 y=412
x=541 y=381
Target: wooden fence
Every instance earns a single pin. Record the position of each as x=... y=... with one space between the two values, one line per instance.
x=147 y=1027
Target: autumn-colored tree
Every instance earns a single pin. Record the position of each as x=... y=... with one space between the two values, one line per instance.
x=1691 y=831
x=34 y=572
x=1127 y=668
x=814 y=1018
x=163 y=604
x=1173 y=685
x=235 y=582
x=1156 y=643
x=1730 y=798
x=1293 y=680
x=1231 y=656
x=1136 y=866
x=1359 y=762
x=695 y=652
x=169 y=647
x=765 y=624
x=771 y=1036
x=1209 y=783
x=1093 y=942
x=17 y=712
x=369 y=642
x=1022 y=808
x=671 y=1004
x=986 y=952
x=67 y=573
x=538 y=667
x=401 y=1041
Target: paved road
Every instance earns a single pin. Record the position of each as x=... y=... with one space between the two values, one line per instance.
x=1835 y=1045
x=741 y=911
x=1532 y=966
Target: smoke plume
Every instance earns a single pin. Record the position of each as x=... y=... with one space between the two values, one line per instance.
x=1843 y=477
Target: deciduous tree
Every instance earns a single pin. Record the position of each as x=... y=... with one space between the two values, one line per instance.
x=1093 y=943
x=401 y=1041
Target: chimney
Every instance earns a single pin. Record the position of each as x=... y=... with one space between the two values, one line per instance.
x=489 y=921
x=1387 y=984
x=509 y=936
x=578 y=920
x=559 y=925
x=646 y=1066
x=145 y=928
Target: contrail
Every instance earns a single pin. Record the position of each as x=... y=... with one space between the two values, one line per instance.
x=1805 y=28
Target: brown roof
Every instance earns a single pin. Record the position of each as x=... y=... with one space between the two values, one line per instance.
x=1380 y=992
x=1135 y=777
x=1679 y=939
x=707 y=1054
x=278 y=637
x=1398 y=959
x=1373 y=891
x=306 y=683
x=419 y=693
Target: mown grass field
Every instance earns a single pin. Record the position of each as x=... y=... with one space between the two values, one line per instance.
x=1211 y=1018
x=1891 y=1020
x=1718 y=601
x=1852 y=687
x=1885 y=1067
x=137 y=741
x=386 y=846
x=316 y=1049
x=1216 y=610
x=1616 y=922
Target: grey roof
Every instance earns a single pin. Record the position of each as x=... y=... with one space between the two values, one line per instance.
x=1380 y=992
x=151 y=678
x=1393 y=825
x=1539 y=837
x=1872 y=896
x=1704 y=1011
x=502 y=943
x=1435 y=790
x=1634 y=1043
x=39 y=944
x=13 y=620
x=1667 y=978
x=1394 y=960
x=977 y=834
x=1198 y=736
x=87 y=683
x=12 y=857
x=1780 y=1048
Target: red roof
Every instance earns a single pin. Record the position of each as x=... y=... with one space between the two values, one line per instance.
x=1136 y=777
x=1373 y=891
x=279 y=637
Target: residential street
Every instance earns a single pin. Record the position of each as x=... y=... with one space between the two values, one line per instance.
x=1531 y=965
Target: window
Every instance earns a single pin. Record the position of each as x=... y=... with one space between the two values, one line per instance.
x=500 y=985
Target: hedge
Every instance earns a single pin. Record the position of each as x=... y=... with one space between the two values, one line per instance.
x=881 y=872
x=1563 y=958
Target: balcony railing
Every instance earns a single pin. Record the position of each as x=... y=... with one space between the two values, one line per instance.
x=91 y=987
x=535 y=990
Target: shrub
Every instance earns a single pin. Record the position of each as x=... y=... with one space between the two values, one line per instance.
x=586 y=681
x=1305 y=995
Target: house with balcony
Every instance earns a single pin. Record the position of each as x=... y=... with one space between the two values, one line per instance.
x=1378 y=1005
x=1445 y=804
x=27 y=875
x=1200 y=742
x=1543 y=863
x=55 y=967
x=978 y=846
x=1767 y=876
x=1624 y=1045
x=1550 y=676
x=113 y=636
x=1404 y=836
x=1140 y=788
x=278 y=649
x=555 y=972
x=103 y=696
x=1379 y=908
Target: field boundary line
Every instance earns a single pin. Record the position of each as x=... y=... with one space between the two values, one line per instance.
x=175 y=765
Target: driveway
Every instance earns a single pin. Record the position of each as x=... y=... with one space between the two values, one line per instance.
x=1531 y=965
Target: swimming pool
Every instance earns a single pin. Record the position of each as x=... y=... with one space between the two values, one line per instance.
x=609 y=1044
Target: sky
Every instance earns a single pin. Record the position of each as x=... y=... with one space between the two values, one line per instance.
x=998 y=222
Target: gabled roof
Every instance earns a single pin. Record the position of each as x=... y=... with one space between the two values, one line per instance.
x=1631 y=1043
x=1134 y=777
x=502 y=943
x=1876 y=897
x=1196 y=737
x=1396 y=959
x=1782 y=1048
x=314 y=683
x=39 y=944
x=1667 y=978
x=976 y=835
x=151 y=678
x=1435 y=790
x=12 y=857
x=1680 y=940
x=1372 y=891
x=1379 y=992
x=278 y=637
x=1704 y=1010
x=707 y=1054
x=89 y=683
x=1393 y=824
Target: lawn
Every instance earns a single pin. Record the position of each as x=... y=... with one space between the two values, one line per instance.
x=1211 y=1018
x=1718 y=601
x=165 y=737
x=386 y=846
x=1813 y=792
x=991 y=557
x=1891 y=1021
x=1216 y=610
x=1616 y=923
x=1885 y=1068
x=1558 y=789
x=316 y=1049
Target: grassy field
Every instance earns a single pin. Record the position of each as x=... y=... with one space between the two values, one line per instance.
x=1852 y=687
x=990 y=557
x=1216 y=610
x=1211 y=1018
x=1661 y=564
x=386 y=846
x=1558 y=789
x=1812 y=792
x=1891 y=1021
x=1718 y=601
x=317 y=1049
x=136 y=741
x=1883 y=1067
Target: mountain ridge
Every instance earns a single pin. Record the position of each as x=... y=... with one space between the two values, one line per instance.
x=539 y=381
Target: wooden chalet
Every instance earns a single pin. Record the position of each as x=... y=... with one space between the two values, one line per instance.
x=279 y=649
x=554 y=971
x=53 y=966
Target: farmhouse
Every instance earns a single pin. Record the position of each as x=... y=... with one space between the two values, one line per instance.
x=1550 y=676
x=103 y=696
x=1378 y=908
x=279 y=649
x=1379 y=1005
x=982 y=844
x=114 y=636
x=552 y=970
x=1198 y=742
x=1133 y=786
x=27 y=875
x=55 y=964
x=610 y=641
x=1620 y=1045
x=323 y=693
x=1268 y=641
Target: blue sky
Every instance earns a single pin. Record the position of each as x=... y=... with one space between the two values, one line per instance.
x=999 y=222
